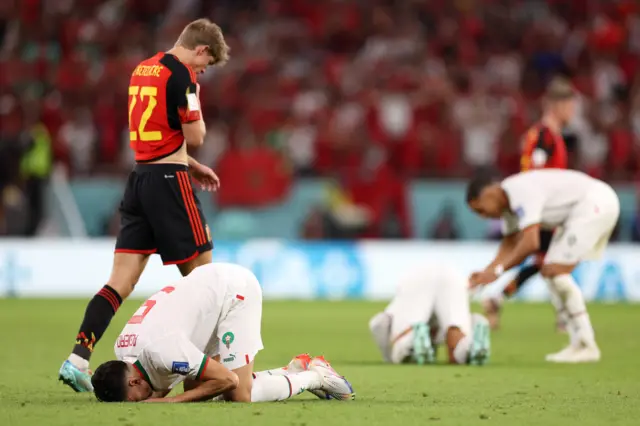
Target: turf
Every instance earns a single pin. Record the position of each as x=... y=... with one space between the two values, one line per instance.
x=516 y=388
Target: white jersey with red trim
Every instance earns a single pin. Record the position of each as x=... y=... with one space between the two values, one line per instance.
x=546 y=197
x=173 y=334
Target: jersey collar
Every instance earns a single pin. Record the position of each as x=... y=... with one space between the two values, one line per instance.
x=138 y=366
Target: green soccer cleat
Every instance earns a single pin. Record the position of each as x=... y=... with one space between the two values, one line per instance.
x=77 y=380
x=481 y=344
x=423 y=352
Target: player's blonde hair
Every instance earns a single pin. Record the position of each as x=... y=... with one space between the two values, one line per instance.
x=559 y=88
x=203 y=32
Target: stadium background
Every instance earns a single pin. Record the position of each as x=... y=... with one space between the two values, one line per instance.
x=336 y=125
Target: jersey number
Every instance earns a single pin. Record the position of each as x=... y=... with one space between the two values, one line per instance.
x=147 y=306
x=143 y=92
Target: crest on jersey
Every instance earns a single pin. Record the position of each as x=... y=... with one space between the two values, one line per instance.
x=228 y=338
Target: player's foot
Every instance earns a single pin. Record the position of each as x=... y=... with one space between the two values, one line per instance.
x=423 y=352
x=334 y=386
x=480 y=349
x=73 y=377
x=380 y=326
x=586 y=354
x=492 y=309
x=562 y=355
x=574 y=354
x=298 y=364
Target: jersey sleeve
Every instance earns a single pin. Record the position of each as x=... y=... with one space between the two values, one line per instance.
x=182 y=99
x=170 y=360
x=526 y=204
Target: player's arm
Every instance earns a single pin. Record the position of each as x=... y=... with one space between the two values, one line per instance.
x=507 y=244
x=214 y=380
x=183 y=98
x=527 y=243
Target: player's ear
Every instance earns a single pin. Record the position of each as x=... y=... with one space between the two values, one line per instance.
x=202 y=50
x=134 y=381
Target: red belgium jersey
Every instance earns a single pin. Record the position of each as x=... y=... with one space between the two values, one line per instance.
x=162 y=96
x=543 y=149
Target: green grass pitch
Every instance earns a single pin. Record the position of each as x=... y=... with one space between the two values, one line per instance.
x=517 y=388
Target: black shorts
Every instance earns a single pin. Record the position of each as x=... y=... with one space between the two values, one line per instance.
x=160 y=213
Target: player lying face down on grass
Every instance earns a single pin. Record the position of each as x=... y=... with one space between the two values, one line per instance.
x=430 y=308
x=584 y=212
x=204 y=331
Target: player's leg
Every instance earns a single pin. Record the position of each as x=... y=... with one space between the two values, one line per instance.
x=586 y=232
x=402 y=332
x=467 y=338
x=176 y=216
x=134 y=244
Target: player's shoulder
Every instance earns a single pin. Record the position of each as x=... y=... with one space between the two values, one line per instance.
x=177 y=68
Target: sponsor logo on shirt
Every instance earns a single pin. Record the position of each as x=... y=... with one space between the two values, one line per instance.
x=230 y=358
x=180 y=367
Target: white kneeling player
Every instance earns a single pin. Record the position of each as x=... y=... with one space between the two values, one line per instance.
x=204 y=330
x=583 y=210
x=431 y=307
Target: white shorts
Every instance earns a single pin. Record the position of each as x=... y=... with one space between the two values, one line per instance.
x=438 y=295
x=238 y=334
x=586 y=233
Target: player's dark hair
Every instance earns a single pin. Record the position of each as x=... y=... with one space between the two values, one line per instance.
x=477 y=184
x=109 y=381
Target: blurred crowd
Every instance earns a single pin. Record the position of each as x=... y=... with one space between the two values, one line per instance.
x=369 y=92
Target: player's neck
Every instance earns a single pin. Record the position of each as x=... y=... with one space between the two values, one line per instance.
x=181 y=53
x=552 y=123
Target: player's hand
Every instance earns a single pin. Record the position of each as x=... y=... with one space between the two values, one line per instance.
x=206 y=177
x=482 y=278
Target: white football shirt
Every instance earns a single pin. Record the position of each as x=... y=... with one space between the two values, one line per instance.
x=544 y=197
x=167 y=337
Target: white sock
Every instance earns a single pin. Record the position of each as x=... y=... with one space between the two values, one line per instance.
x=561 y=311
x=580 y=329
x=79 y=362
x=461 y=351
x=274 y=372
x=277 y=388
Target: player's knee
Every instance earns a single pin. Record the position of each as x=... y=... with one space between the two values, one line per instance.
x=552 y=270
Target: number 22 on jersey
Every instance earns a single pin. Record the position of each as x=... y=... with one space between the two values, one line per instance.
x=143 y=94
x=146 y=307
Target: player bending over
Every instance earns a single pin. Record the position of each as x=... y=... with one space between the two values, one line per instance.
x=204 y=330
x=583 y=208
x=431 y=307
x=543 y=148
x=160 y=213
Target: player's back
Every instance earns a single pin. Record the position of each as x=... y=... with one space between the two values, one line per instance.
x=156 y=88
x=193 y=305
x=557 y=190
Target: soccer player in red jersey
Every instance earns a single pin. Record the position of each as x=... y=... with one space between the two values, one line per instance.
x=543 y=148
x=160 y=212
